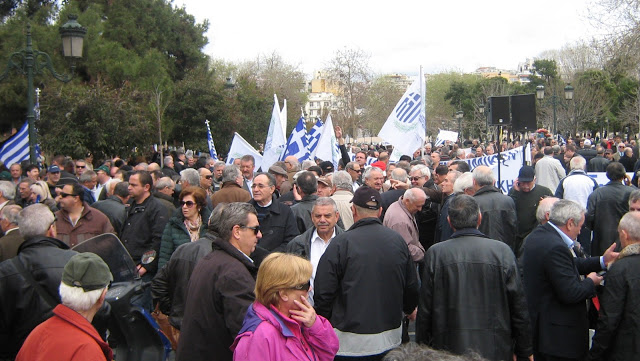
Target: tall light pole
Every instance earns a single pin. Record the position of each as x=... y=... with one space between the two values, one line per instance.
x=31 y=62
x=555 y=100
x=459 y=116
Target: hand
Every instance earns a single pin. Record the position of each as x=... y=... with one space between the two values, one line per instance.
x=396 y=184
x=627 y=180
x=413 y=315
x=597 y=280
x=609 y=255
x=306 y=314
x=516 y=184
x=338 y=131
x=141 y=270
x=296 y=195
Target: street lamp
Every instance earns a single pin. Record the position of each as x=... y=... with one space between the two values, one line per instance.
x=459 y=116
x=555 y=100
x=32 y=62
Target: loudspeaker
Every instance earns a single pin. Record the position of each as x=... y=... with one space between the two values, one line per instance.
x=523 y=113
x=499 y=111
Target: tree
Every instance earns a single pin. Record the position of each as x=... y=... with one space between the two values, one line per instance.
x=349 y=72
x=381 y=97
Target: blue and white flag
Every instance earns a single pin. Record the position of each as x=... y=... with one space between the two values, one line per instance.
x=16 y=148
x=212 y=147
x=328 y=148
x=283 y=118
x=297 y=142
x=276 y=141
x=405 y=127
x=240 y=147
x=313 y=137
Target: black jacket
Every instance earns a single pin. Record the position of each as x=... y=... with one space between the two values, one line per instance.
x=22 y=307
x=498 y=215
x=302 y=212
x=556 y=295
x=472 y=299
x=366 y=271
x=598 y=164
x=605 y=206
x=301 y=245
x=220 y=292
x=277 y=224
x=169 y=286
x=114 y=209
x=617 y=332
x=143 y=229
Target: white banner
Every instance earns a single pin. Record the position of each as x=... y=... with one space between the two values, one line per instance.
x=444 y=135
x=327 y=144
x=276 y=140
x=240 y=147
x=405 y=126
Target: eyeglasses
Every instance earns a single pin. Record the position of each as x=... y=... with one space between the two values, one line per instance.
x=415 y=179
x=208 y=176
x=81 y=166
x=357 y=171
x=65 y=195
x=189 y=204
x=255 y=229
x=302 y=287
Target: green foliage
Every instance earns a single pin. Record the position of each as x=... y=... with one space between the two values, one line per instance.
x=548 y=69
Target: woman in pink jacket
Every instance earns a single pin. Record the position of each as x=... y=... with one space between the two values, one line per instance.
x=281 y=324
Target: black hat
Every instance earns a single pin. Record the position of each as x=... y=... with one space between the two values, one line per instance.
x=86 y=270
x=527 y=173
x=367 y=197
x=327 y=167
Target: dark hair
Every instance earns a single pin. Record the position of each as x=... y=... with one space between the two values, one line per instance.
x=463 y=212
x=548 y=150
x=31 y=167
x=405 y=158
x=78 y=190
x=462 y=165
x=197 y=193
x=442 y=169
x=307 y=183
x=615 y=171
x=248 y=157
x=270 y=178
x=570 y=147
x=314 y=168
x=144 y=177
x=121 y=189
x=118 y=163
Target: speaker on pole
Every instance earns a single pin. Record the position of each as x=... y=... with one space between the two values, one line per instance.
x=499 y=113
x=523 y=113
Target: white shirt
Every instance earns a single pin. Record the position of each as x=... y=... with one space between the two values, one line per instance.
x=318 y=246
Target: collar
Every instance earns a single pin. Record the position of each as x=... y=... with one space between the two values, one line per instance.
x=268 y=204
x=568 y=241
x=630 y=250
x=10 y=230
x=466 y=232
x=578 y=171
x=315 y=235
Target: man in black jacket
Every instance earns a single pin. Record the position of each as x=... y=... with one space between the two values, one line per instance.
x=43 y=258
x=556 y=291
x=486 y=269
x=365 y=280
x=617 y=330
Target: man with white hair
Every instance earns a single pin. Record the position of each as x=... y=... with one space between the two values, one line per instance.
x=168 y=168
x=374 y=178
x=12 y=239
x=498 y=210
x=38 y=266
x=68 y=334
x=343 y=184
x=556 y=292
x=189 y=177
x=401 y=217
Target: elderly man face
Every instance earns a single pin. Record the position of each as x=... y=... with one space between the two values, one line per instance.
x=81 y=166
x=246 y=167
x=634 y=206
x=355 y=172
x=24 y=190
x=206 y=178
x=447 y=183
x=324 y=190
x=217 y=172
x=289 y=162
x=16 y=171
x=414 y=206
x=417 y=179
x=375 y=180
x=262 y=191
x=435 y=157
x=324 y=218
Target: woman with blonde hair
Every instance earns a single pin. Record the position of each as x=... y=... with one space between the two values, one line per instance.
x=281 y=324
x=40 y=194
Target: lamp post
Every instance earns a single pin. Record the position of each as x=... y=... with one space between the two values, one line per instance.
x=555 y=100
x=459 y=116
x=32 y=62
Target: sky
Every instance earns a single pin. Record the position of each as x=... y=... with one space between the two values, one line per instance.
x=399 y=36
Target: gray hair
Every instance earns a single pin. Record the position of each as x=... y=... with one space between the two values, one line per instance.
x=342 y=180
x=414 y=195
x=412 y=351
x=168 y=159
x=236 y=213
x=483 y=176
x=8 y=189
x=463 y=182
x=634 y=197
x=367 y=173
x=544 y=207
x=630 y=222
x=218 y=164
x=35 y=220
x=463 y=212
x=78 y=299
x=165 y=182
x=399 y=174
x=307 y=163
x=271 y=179
x=190 y=175
x=110 y=185
x=230 y=173
x=578 y=162
x=424 y=170
x=12 y=213
x=215 y=218
x=87 y=176
x=325 y=201
x=564 y=210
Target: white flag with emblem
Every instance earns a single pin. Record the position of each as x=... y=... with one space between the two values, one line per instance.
x=405 y=127
x=240 y=147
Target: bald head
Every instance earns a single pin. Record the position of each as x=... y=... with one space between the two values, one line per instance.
x=544 y=209
x=483 y=176
x=629 y=229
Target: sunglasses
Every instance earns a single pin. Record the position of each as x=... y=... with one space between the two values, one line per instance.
x=415 y=179
x=65 y=195
x=189 y=204
x=208 y=176
x=302 y=287
x=255 y=229
x=81 y=166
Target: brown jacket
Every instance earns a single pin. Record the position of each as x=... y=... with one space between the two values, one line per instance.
x=230 y=192
x=9 y=244
x=92 y=223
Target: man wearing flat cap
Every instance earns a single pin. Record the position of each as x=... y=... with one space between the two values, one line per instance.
x=68 y=333
x=368 y=259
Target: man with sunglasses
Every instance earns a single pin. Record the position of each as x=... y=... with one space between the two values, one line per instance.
x=355 y=171
x=76 y=221
x=221 y=287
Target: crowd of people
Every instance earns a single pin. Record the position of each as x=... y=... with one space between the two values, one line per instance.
x=305 y=260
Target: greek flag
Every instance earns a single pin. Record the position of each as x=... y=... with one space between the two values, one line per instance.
x=297 y=142
x=313 y=137
x=16 y=148
x=212 y=147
